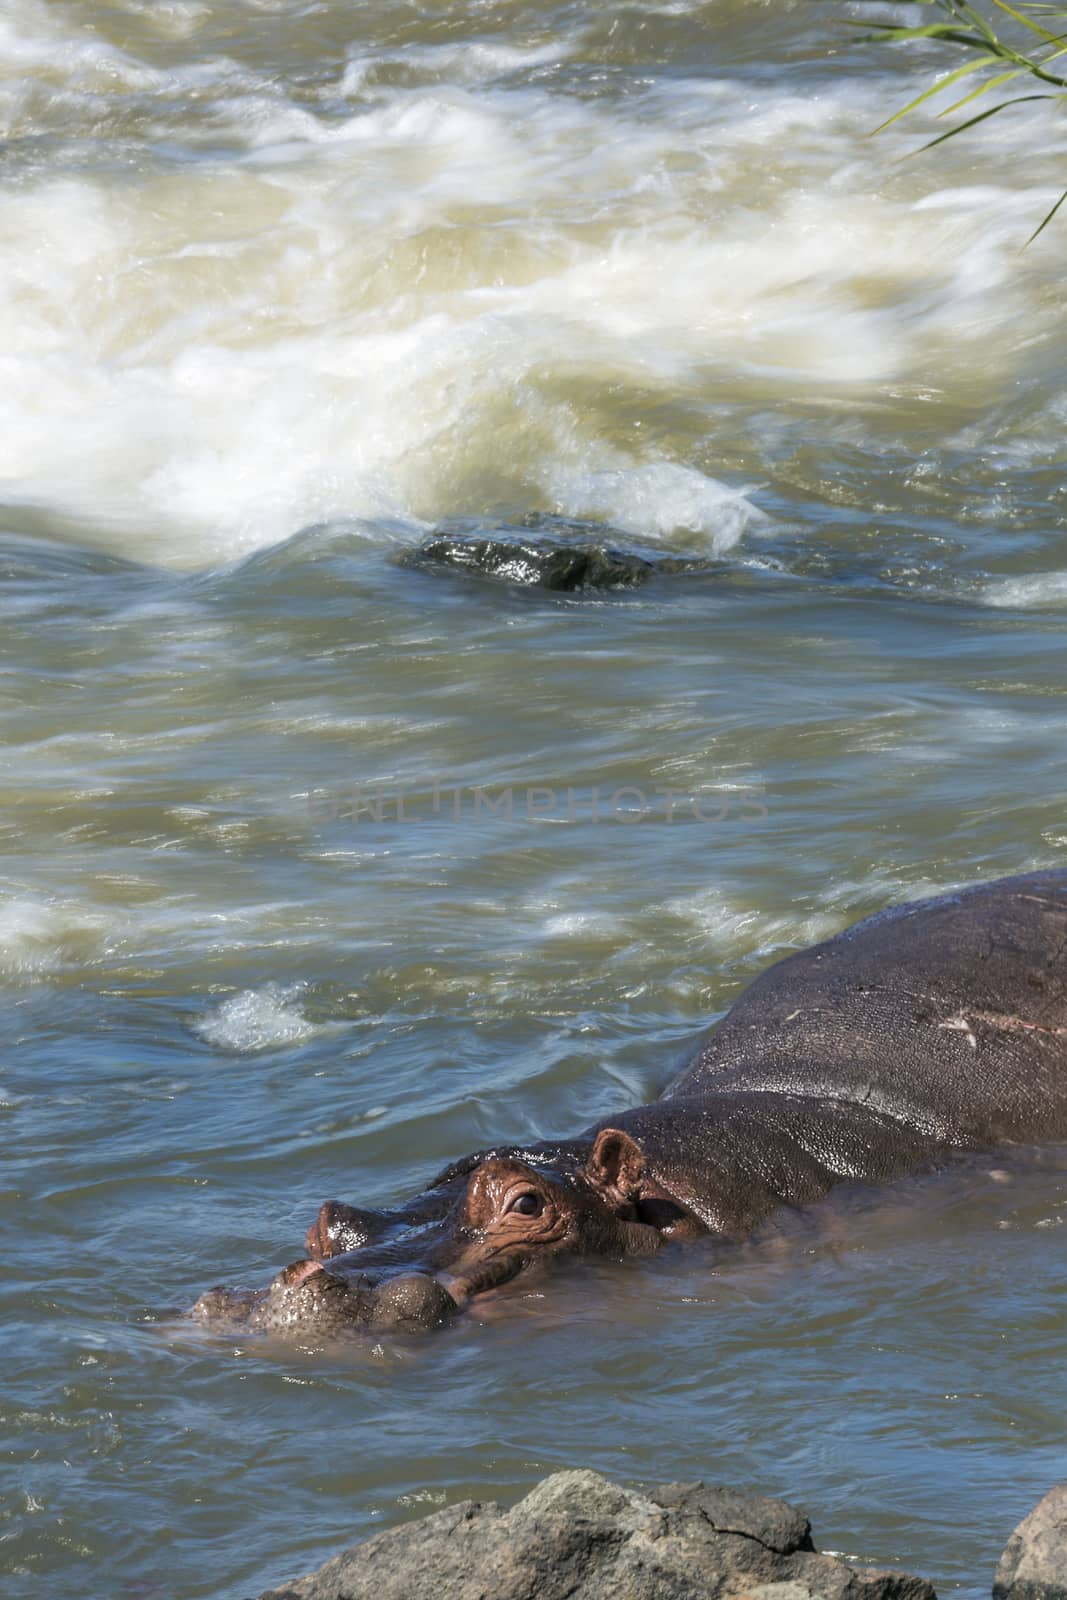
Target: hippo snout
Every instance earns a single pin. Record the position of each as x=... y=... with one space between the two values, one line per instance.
x=310 y=1295
x=306 y=1298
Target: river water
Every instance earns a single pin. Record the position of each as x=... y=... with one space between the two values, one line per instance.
x=319 y=872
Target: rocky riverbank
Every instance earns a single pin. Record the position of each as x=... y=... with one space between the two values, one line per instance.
x=577 y=1536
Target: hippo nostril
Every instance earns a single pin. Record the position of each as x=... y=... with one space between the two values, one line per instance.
x=298 y=1272
x=339 y=1228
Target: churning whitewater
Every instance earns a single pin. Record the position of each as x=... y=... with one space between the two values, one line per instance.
x=266 y=265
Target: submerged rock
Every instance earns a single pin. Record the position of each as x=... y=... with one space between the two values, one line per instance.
x=577 y=1536
x=1034 y=1564
x=543 y=560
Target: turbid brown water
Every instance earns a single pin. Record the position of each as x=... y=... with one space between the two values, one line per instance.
x=283 y=288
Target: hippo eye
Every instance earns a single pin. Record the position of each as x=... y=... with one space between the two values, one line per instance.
x=527 y=1204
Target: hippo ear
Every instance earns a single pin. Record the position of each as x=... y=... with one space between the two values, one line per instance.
x=616 y=1167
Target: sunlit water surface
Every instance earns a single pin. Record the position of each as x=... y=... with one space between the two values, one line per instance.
x=282 y=287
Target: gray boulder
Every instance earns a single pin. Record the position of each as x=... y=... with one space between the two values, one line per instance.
x=1034 y=1563
x=577 y=1536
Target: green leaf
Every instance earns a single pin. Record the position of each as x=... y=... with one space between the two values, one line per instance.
x=983 y=88
x=979 y=22
x=1019 y=100
x=933 y=30
x=1044 y=224
x=1035 y=27
x=936 y=88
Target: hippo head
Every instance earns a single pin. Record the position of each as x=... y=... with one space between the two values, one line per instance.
x=514 y=1216
x=485 y=1222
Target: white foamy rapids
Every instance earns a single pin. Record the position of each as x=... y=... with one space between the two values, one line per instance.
x=657 y=500
x=719 y=925
x=1037 y=590
x=438 y=301
x=39 y=937
x=259 y=1019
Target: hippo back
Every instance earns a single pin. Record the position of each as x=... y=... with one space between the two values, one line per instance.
x=950 y=1014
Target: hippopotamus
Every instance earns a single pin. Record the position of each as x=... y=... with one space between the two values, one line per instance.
x=930 y=1028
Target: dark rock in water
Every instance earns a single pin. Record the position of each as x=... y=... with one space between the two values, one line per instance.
x=546 y=561
x=1034 y=1563
x=576 y=1536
